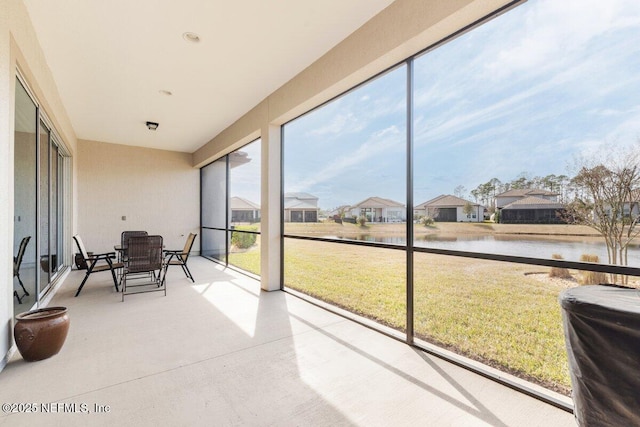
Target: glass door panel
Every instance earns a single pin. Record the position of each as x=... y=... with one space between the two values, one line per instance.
x=60 y=211
x=53 y=229
x=43 y=209
x=24 y=219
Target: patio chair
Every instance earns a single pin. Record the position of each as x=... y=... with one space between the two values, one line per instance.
x=124 y=240
x=17 y=262
x=180 y=257
x=92 y=259
x=144 y=255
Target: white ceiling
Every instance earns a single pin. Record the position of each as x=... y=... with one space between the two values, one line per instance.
x=110 y=60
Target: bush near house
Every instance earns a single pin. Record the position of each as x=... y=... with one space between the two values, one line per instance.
x=427 y=221
x=243 y=240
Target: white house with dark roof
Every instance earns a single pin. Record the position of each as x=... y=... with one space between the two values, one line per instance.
x=243 y=210
x=300 y=207
x=448 y=208
x=378 y=209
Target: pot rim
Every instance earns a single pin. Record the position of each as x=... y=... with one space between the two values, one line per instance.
x=41 y=313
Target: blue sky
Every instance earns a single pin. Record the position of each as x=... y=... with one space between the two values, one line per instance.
x=526 y=92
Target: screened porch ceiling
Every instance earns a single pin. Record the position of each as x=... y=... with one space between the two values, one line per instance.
x=119 y=64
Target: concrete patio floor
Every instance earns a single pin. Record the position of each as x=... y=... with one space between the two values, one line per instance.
x=221 y=352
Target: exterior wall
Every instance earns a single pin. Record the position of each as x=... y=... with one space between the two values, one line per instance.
x=19 y=47
x=504 y=201
x=477 y=211
x=156 y=190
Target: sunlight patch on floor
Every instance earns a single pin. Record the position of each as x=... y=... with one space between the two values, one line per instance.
x=236 y=304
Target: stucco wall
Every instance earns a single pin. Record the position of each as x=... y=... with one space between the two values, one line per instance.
x=156 y=190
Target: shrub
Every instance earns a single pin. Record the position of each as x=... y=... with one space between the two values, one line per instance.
x=243 y=240
x=362 y=220
x=427 y=221
x=591 y=277
x=562 y=273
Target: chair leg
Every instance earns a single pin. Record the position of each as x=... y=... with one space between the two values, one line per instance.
x=187 y=272
x=115 y=280
x=22 y=285
x=15 y=294
x=83 y=282
x=89 y=270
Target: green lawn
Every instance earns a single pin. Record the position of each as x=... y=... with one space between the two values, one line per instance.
x=247 y=259
x=492 y=312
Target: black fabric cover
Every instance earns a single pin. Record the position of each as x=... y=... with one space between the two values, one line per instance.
x=602 y=333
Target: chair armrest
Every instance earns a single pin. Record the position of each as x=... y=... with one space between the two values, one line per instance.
x=173 y=252
x=168 y=256
x=105 y=255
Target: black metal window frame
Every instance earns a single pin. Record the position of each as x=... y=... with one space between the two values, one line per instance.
x=411 y=249
x=227 y=229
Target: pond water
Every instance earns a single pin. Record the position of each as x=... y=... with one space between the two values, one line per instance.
x=525 y=246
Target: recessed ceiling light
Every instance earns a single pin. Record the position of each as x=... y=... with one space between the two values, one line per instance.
x=165 y=92
x=191 y=37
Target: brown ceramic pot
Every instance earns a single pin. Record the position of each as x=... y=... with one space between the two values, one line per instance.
x=40 y=334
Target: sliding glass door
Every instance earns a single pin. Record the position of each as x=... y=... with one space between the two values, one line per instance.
x=39 y=166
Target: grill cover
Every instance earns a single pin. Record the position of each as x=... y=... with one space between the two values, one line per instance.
x=602 y=334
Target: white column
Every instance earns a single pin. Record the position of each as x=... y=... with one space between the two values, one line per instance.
x=270 y=233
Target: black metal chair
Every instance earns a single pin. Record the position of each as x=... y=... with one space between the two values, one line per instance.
x=180 y=257
x=92 y=259
x=144 y=255
x=124 y=240
x=17 y=261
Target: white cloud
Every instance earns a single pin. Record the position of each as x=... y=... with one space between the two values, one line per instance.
x=552 y=30
x=379 y=143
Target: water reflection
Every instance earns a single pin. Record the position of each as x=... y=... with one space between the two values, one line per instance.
x=529 y=246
